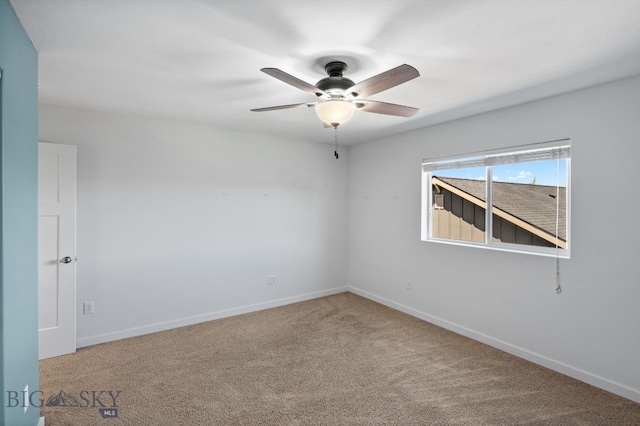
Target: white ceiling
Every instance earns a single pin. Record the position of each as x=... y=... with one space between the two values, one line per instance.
x=199 y=60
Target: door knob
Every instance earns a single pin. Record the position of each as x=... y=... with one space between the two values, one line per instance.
x=66 y=259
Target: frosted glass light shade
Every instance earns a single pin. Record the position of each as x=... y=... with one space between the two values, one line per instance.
x=335 y=111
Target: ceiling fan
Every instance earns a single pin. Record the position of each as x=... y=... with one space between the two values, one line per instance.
x=339 y=96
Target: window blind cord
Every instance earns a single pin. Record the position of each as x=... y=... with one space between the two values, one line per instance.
x=558 y=289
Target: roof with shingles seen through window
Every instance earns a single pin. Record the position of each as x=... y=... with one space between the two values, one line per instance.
x=532 y=203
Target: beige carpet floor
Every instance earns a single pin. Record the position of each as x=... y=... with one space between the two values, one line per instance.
x=338 y=360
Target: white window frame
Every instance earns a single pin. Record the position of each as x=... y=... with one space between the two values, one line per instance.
x=557 y=149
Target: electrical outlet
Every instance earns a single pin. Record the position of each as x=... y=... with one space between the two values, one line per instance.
x=271 y=280
x=87 y=308
x=408 y=284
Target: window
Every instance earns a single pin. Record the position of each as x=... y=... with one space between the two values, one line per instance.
x=526 y=188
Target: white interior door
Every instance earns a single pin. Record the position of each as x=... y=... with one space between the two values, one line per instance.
x=56 y=249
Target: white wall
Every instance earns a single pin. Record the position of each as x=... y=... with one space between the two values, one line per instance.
x=590 y=330
x=180 y=223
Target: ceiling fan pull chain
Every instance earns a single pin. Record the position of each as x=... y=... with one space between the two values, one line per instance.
x=335 y=136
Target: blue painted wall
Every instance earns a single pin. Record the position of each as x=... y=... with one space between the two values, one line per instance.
x=18 y=215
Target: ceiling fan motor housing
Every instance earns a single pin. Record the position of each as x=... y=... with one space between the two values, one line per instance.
x=335 y=84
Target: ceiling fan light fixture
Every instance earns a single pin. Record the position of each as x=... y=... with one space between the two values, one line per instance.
x=335 y=111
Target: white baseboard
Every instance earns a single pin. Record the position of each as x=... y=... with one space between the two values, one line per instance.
x=153 y=328
x=576 y=373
